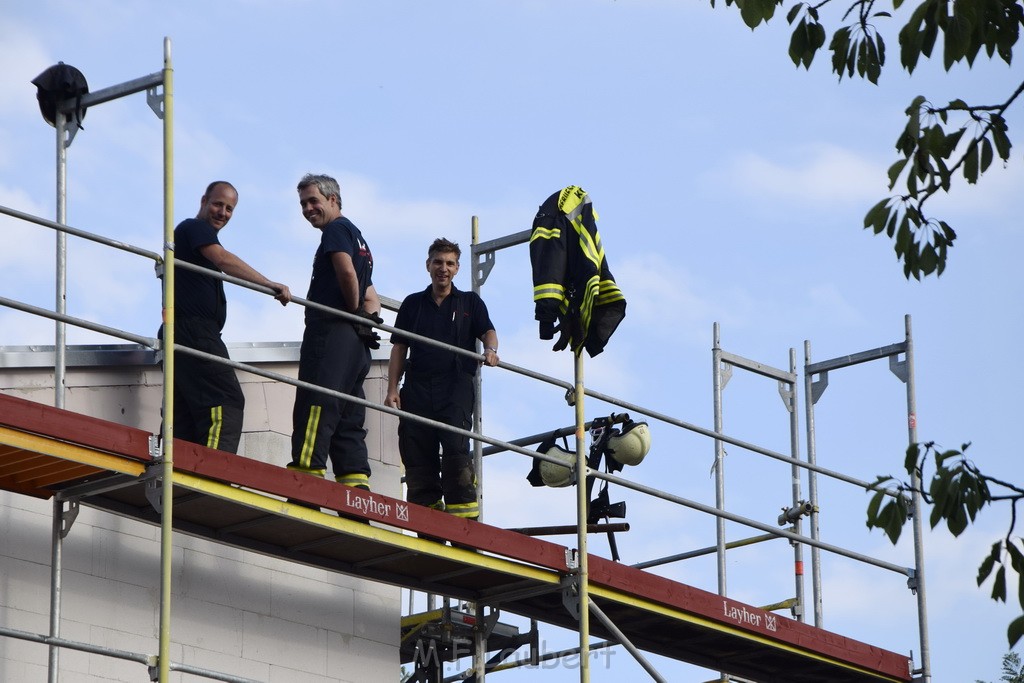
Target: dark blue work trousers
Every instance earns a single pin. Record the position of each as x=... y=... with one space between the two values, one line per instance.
x=332 y=356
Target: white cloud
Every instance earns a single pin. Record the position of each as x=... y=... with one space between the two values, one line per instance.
x=819 y=174
x=27 y=259
x=21 y=52
x=663 y=296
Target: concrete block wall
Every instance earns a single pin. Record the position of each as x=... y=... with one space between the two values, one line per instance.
x=233 y=611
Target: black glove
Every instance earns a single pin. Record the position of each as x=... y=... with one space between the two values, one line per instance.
x=368 y=334
x=563 y=337
x=548 y=329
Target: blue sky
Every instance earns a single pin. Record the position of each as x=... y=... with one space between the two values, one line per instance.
x=731 y=188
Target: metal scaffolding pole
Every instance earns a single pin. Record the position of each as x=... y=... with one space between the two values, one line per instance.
x=720 y=378
x=796 y=512
x=59 y=381
x=904 y=371
x=812 y=391
x=582 y=563
x=907 y=376
x=166 y=513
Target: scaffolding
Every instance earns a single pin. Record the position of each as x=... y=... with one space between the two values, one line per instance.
x=567 y=581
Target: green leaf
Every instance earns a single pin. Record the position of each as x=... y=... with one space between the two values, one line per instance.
x=930 y=34
x=971 y=164
x=894 y=172
x=816 y=36
x=912 y=39
x=999 y=585
x=941 y=458
x=985 y=569
x=957 y=521
x=890 y=227
x=897 y=518
x=1015 y=631
x=793 y=12
x=1002 y=142
x=1016 y=557
x=798 y=44
x=914 y=112
x=950 y=142
x=957 y=40
x=928 y=260
x=873 y=63
x=752 y=12
x=840 y=47
x=904 y=238
x=873 y=506
x=910 y=459
x=877 y=216
x=987 y=156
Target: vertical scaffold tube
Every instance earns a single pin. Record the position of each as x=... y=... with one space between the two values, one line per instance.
x=582 y=567
x=716 y=358
x=478 y=451
x=797 y=472
x=59 y=365
x=166 y=519
x=812 y=491
x=915 y=482
x=479 y=638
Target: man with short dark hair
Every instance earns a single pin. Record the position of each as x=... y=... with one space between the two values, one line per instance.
x=335 y=352
x=439 y=384
x=208 y=401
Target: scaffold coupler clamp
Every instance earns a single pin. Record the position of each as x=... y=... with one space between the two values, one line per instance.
x=912 y=580
x=570 y=583
x=571 y=594
x=154 y=485
x=156 y=447
x=790 y=515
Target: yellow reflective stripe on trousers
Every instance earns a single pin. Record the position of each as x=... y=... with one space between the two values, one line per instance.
x=467 y=510
x=354 y=479
x=216 y=423
x=316 y=473
x=309 y=440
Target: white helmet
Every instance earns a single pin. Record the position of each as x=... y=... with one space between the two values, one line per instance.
x=631 y=444
x=555 y=475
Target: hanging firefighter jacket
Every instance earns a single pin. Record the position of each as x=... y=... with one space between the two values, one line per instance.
x=574 y=292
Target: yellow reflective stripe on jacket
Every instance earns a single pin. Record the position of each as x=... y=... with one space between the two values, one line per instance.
x=546 y=234
x=550 y=290
x=608 y=293
x=571 y=198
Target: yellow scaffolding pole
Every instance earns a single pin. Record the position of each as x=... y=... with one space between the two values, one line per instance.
x=166 y=519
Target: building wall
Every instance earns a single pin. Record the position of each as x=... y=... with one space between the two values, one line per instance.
x=232 y=611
